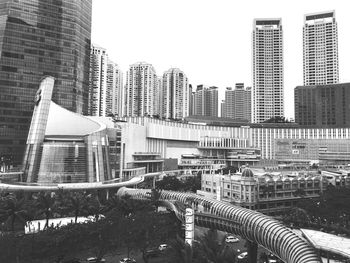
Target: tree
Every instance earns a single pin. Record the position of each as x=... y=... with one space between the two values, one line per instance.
x=277 y=119
x=192 y=184
x=45 y=204
x=13 y=210
x=179 y=251
x=94 y=207
x=169 y=183
x=297 y=215
x=215 y=251
x=75 y=203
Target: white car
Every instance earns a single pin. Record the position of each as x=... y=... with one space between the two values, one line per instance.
x=163 y=247
x=93 y=260
x=243 y=255
x=127 y=260
x=231 y=239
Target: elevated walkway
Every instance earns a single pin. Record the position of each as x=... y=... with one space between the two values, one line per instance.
x=250 y=225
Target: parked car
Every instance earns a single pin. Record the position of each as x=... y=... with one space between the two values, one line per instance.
x=127 y=260
x=243 y=255
x=271 y=258
x=231 y=239
x=94 y=260
x=162 y=247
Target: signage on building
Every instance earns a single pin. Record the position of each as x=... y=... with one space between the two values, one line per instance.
x=218 y=193
x=37 y=97
x=189 y=226
x=295 y=151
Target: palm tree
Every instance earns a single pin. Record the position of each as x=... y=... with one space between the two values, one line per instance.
x=77 y=204
x=94 y=207
x=45 y=204
x=12 y=210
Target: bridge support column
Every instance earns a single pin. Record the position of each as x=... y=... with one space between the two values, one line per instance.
x=252 y=252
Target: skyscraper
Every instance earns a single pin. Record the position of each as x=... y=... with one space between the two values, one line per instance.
x=98 y=81
x=141 y=90
x=38 y=38
x=320 y=49
x=115 y=97
x=223 y=108
x=238 y=102
x=175 y=99
x=190 y=99
x=105 y=96
x=206 y=101
x=267 y=95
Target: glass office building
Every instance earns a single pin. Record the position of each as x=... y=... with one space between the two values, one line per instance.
x=38 y=38
x=66 y=147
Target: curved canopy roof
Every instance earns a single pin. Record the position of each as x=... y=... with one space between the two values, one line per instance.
x=62 y=122
x=328 y=242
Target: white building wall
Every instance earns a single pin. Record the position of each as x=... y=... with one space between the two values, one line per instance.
x=134 y=139
x=172 y=139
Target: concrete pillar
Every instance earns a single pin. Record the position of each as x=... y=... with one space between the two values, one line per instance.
x=154 y=182
x=252 y=249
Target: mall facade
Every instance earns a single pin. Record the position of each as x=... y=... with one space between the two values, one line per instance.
x=240 y=144
x=64 y=146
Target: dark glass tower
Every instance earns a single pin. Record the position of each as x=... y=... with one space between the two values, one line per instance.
x=38 y=38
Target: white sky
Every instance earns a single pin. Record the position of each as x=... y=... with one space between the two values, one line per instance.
x=210 y=40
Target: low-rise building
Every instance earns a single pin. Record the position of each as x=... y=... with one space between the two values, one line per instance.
x=266 y=192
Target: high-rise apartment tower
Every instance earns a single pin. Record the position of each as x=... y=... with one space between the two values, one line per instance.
x=267 y=95
x=320 y=52
x=206 y=101
x=141 y=90
x=175 y=95
x=105 y=96
x=238 y=102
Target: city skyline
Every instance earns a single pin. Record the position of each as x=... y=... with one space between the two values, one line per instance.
x=211 y=39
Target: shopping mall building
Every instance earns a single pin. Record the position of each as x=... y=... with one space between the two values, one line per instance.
x=64 y=147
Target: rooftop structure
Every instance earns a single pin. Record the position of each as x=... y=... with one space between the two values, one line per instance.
x=328 y=242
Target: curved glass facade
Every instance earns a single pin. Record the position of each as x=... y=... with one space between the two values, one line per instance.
x=66 y=147
x=62 y=162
